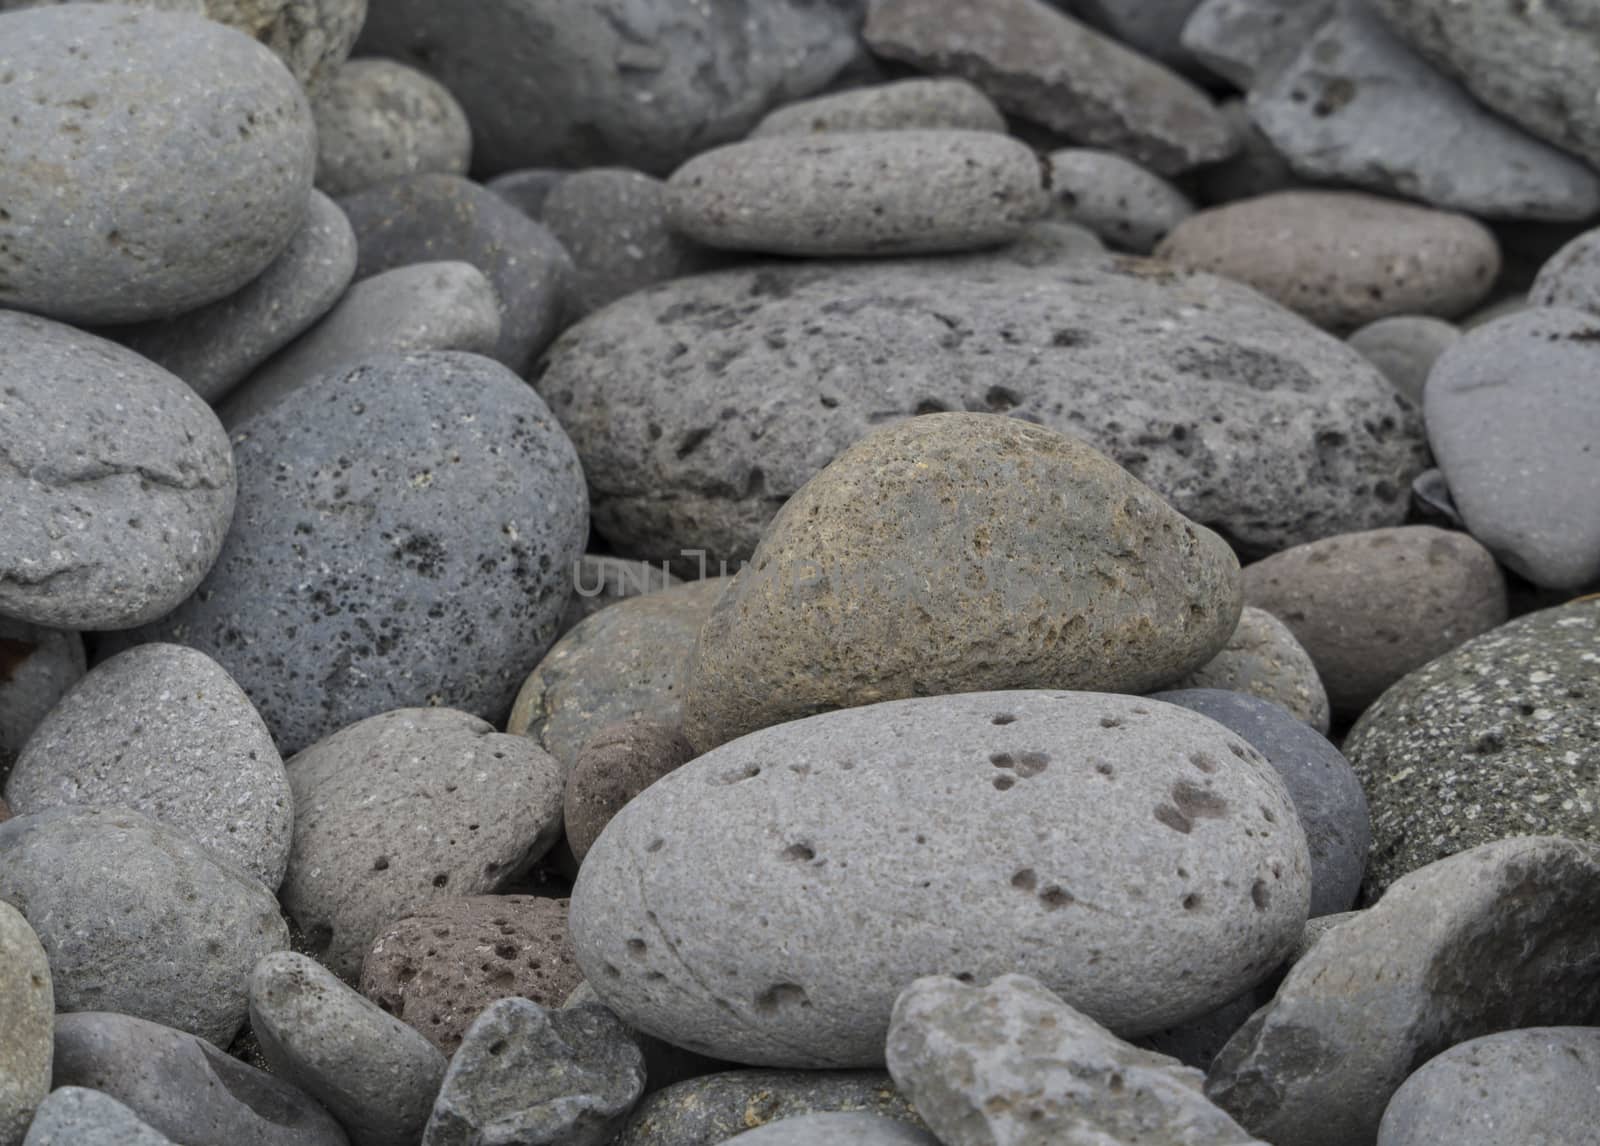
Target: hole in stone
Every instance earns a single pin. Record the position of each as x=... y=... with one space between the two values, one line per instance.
x=800 y=853
x=1002 y=718
x=1055 y=898
x=781 y=995
x=1001 y=760
x=1259 y=895
x=637 y=948
x=1191 y=902
x=1025 y=879
x=381 y=864
x=1203 y=762
x=1004 y=783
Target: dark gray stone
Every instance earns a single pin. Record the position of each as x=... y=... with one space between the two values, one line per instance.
x=1430 y=497
x=414 y=552
x=708 y=1111
x=1255 y=168
x=525 y=1075
x=118 y=480
x=37 y=667
x=135 y=915
x=111 y=103
x=215 y=347
x=438 y=218
x=184 y=1087
x=1326 y=793
x=27 y=1006
x=165 y=731
x=1197 y=1042
x=74 y=1116
x=379 y=120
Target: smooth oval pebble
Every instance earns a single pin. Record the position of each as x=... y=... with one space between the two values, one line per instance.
x=969 y=552
x=165 y=731
x=37 y=667
x=404 y=807
x=113 y=103
x=859 y=193
x=27 y=1010
x=138 y=917
x=184 y=1086
x=1264 y=659
x=77 y=1116
x=939 y=102
x=1342 y=258
x=1405 y=348
x=120 y=485
x=1127 y=206
x=766 y=902
x=379 y=120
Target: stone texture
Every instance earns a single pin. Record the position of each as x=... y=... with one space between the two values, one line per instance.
x=1496 y=938
x=1139 y=360
x=1371 y=607
x=859 y=193
x=905 y=105
x=626 y=661
x=445 y=218
x=437 y=969
x=1405 y=348
x=1242 y=40
x=766 y=902
x=527 y=1074
x=118 y=482
x=1040 y=64
x=614 y=81
x=1342 y=258
x=1513 y=416
x=959 y=553
x=37 y=667
x=184 y=1087
x=424 y=306
x=134 y=915
x=165 y=731
x=707 y=1111
x=104 y=104
x=27 y=1013
x=1357 y=107
x=431 y=571
x=215 y=347
x=1326 y=792
x=1571 y=278
x=406 y=807
x=1118 y=200
x=599 y=581
x=618 y=762
x=374 y=1074
x=1264 y=659
x=1044 y=243
x=1491 y=740
x=379 y=120
x=1532 y=1085
x=74 y=1116
x=837 y=1129
x=1533 y=64
x=1010 y=1062
x=526 y=190
x=613 y=222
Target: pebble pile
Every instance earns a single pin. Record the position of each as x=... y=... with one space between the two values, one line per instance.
x=799 y=573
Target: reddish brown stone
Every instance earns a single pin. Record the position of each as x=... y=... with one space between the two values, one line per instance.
x=437 y=969
x=619 y=762
x=5 y=812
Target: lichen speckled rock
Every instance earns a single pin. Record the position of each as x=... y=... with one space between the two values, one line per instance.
x=1263 y=659
x=970 y=552
x=700 y=406
x=1494 y=739
x=1500 y=937
x=708 y=1111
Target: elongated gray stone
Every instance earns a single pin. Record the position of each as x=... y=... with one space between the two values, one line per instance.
x=905 y=105
x=77 y=1116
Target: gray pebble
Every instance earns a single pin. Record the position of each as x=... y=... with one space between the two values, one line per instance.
x=424 y=306
x=184 y=1087
x=216 y=347
x=75 y=1116
x=188 y=145
x=1120 y=201
x=598 y=581
x=407 y=807
x=1240 y=40
x=37 y=667
x=1264 y=659
x=1513 y=420
x=859 y=193
x=120 y=485
x=1327 y=795
x=525 y=1074
x=165 y=731
x=435 y=217
x=373 y=1073
x=707 y=1111
x=905 y=105
x=27 y=1006
x=837 y=1130
x=1405 y=348
x=415 y=552
x=1571 y=278
x=526 y=190
x=137 y=917
x=613 y=222
x=379 y=120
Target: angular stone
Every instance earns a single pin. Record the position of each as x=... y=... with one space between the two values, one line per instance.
x=27 y=1014
x=135 y=915
x=991 y=554
x=707 y=1111
x=905 y=105
x=1120 y=201
x=118 y=483
x=525 y=1074
x=405 y=807
x=766 y=902
x=1010 y=1062
x=373 y=1073
x=1264 y=659
x=618 y=762
x=1489 y=741
x=1500 y=937
x=1405 y=348
x=37 y=667
x=1040 y=64
x=379 y=120
x=110 y=103
x=836 y=1130
x=165 y=731
x=75 y=1116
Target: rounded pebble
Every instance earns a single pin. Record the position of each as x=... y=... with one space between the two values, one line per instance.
x=905 y=105
x=1405 y=348
x=1127 y=206
x=379 y=120
x=1263 y=658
